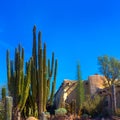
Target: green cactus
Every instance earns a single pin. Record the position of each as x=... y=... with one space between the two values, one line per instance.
x=8 y=108
x=18 y=82
x=25 y=88
x=33 y=86
x=53 y=83
x=8 y=71
x=3 y=94
x=40 y=83
x=41 y=75
x=34 y=52
x=44 y=78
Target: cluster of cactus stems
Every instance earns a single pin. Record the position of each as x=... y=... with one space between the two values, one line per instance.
x=18 y=82
x=33 y=86
x=41 y=75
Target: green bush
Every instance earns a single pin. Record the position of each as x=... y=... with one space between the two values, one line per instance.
x=93 y=105
x=60 y=112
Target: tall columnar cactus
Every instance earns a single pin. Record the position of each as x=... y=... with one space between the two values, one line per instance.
x=8 y=71
x=8 y=108
x=50 y=72
x=34 y=73
x=33 y=86
x=79 y=89
x=53 y=83
x=41 y=74
x=40 y=82
x=3 y=93
x=18 y=82
x=44 y=78
x=34 y=52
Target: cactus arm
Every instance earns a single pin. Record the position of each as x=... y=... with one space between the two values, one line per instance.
x=54 y=83
x=8 y=69
x=44 y=79
x=26 y=87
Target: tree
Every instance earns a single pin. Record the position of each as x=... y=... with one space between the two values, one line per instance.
x=80 y=89
x=110 y=68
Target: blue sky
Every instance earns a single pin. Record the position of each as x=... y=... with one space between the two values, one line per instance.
x=76 y=30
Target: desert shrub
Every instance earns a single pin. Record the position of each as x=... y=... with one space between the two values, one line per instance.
x=93 y=105
x=60 y=111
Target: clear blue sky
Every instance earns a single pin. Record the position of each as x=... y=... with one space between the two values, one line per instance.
x=74 y=29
